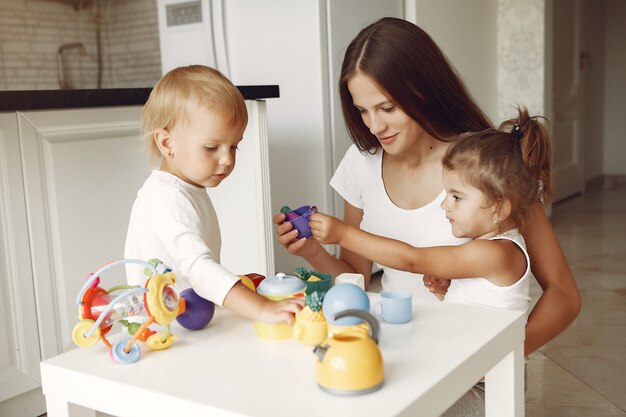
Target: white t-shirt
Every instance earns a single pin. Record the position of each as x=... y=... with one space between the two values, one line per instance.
x=359 y=181
x=480 y=291
x=175 y=222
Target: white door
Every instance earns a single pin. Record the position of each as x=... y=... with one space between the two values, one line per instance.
x=566 y=94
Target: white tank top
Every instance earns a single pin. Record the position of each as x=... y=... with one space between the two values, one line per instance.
x=480 y=291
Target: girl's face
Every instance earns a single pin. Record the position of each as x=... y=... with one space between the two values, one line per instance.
x=395 y=130
x=201 y=149
x=467 y=209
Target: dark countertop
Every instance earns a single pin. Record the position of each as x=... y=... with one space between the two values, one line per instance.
x=66 y=99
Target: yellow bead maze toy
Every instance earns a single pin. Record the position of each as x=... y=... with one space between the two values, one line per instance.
x=157 y=302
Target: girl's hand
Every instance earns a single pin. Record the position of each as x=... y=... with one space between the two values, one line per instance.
x=282 y=311
x=288 y=238
x=437 y=286
x=326 y=229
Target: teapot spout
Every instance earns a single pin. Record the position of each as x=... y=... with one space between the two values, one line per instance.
x=320 y=351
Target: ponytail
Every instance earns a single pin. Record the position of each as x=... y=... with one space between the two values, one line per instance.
x=510 y=163
x=533 y=136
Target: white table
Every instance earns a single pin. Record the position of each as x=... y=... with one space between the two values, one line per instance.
x=225 y=370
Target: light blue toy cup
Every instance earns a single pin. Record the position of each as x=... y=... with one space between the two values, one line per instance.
x=395 y=307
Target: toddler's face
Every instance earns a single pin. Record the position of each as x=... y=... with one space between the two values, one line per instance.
x=467 y=210
x=203 y=147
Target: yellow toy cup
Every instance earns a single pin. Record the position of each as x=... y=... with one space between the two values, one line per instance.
x=277 y=288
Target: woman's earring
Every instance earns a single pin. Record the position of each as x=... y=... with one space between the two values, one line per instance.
x=495 y=221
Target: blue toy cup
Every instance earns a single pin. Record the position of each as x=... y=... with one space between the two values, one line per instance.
x=395 y=307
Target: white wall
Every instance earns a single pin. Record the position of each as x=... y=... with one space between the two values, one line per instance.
x=466 y=31
x=615 y=89
x=522 y=58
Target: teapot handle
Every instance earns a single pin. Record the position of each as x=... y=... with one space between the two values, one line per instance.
x=374 y=327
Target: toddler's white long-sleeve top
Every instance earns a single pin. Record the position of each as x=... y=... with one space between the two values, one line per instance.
x=175 y=222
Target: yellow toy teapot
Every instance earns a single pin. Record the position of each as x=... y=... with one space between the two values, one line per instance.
x=350 y=363
x=276 y=288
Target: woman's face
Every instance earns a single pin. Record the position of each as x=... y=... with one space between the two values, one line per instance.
x=395 y=130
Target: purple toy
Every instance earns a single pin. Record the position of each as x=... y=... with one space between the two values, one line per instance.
x=198 y=313
x=300 y=219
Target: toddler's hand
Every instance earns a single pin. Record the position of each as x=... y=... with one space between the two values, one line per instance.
x=288 y=238
x=326 y=229
x=282 y=311
x=437 y=286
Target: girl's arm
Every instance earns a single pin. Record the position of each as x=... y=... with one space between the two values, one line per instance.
x=500 y=261
x=560 y=302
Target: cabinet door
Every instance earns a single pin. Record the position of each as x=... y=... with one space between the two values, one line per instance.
x=82 y=169
x=19 y=347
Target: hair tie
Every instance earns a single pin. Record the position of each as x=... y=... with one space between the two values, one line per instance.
x=517 y=132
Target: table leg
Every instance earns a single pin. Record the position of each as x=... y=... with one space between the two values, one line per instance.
x=58 y=407
x=504 y=386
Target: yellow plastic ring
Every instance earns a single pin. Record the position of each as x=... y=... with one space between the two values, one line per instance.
x=79 y=334
x=154 y=298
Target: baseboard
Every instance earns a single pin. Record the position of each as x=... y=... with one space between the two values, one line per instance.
x=595 y=182
x=611 y=181
x=605 y=181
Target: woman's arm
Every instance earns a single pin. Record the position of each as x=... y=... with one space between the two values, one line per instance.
x=560 y=302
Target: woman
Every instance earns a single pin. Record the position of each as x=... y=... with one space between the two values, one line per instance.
x=403 y=105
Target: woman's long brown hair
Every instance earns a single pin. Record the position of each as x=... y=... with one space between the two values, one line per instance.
x=413 y=72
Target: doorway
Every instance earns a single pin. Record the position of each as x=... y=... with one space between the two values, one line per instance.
x=563 y=18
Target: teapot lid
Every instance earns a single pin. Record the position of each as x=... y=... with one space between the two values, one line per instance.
x=281 y=284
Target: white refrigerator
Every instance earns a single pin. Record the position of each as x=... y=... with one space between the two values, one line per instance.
x=298 y=45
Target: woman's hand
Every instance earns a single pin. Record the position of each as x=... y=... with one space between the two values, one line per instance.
x=327 y=229
x=288 y=238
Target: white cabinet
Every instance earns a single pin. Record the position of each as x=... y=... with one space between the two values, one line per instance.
x=81 y=169
x=68 y=179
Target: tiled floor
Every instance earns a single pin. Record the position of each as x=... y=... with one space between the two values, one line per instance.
x=582 y=373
